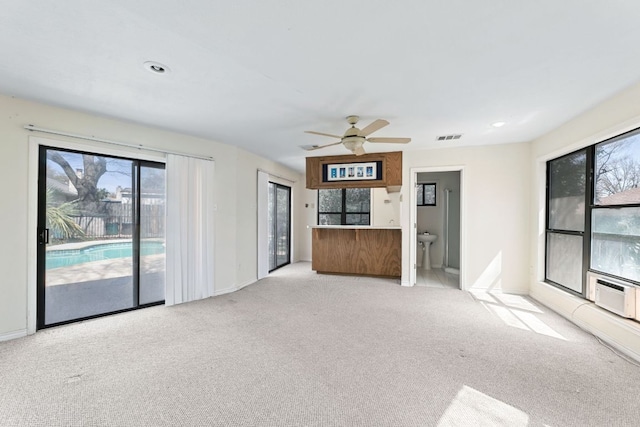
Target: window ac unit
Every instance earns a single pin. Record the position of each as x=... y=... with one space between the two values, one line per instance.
x=613 y=295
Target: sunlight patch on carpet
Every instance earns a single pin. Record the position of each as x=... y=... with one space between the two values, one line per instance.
x=516 y=311
x=473 y=408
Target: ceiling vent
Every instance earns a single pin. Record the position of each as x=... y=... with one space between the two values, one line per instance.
x=448 y=137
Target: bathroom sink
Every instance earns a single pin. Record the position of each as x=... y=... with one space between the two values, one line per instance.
x=424 y=238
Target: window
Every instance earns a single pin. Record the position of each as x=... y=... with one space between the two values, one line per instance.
x=344 y=206
x=615 y=216
x=426 y=194
x=566 y=179
x=593 y=213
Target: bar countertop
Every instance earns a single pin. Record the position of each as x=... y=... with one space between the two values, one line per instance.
x=358 y=227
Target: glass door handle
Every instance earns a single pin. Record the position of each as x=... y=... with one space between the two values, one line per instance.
x=44 y=236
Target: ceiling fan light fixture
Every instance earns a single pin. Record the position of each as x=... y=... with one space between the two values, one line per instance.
x=352 y=142
x=354 y=138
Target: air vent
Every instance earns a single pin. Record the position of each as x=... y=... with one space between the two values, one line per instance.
x=448 y=137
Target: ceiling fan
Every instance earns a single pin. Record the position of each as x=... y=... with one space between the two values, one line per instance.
x=354 y=138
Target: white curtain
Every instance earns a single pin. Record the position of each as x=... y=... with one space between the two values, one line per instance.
x=263 y=224
x=190 y=222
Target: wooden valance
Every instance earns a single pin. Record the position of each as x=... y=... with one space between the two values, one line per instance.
x=390 y=166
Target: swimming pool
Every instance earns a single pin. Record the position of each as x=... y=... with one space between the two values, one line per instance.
x=99 y=252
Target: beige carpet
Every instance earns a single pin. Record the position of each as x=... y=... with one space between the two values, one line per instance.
x=300 y=349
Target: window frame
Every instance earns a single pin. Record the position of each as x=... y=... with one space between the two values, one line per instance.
x=593 y=207
x=590 y=208
x=584 y=234
x=273 y=188
x=343 y=213
x=137 y=163
x=435 y=194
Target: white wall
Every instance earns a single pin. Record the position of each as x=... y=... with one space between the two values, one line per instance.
x=495 y=211
x=618 y=114
x=385 y=208
x=307 y=204
x=247 y=208
x=236 y=193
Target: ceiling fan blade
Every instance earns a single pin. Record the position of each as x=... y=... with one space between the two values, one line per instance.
x=373 y=126
x=391 y=140
x=322 y=134
x=317 y=147
x=358 y=151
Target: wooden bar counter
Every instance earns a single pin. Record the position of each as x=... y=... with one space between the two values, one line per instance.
x=360 y=250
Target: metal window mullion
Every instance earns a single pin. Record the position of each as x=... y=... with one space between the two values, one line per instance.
x=288 y=224
x=274 y=227
x=42 y=248
x=589 y=193
x=343 y=212
x=568 y=232
x=137 y=191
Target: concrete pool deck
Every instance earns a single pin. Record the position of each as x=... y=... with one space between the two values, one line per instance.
x=88 y=243
x=103 y=270
x=73 y=301
x=97 y=287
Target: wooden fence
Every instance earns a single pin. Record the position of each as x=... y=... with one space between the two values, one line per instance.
x=118 y=221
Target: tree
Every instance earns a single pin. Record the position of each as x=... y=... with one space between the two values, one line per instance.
x=87 y=183
x=616 y=169
x=60 y=218
x=621 y=175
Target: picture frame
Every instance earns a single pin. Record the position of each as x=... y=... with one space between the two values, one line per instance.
x=352 y=171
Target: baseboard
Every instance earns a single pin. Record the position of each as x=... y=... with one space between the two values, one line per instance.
x=233 y=289
x=13 y=335
x=620 y=333
x=405 y=283
x=245 y=284
x=452 y=270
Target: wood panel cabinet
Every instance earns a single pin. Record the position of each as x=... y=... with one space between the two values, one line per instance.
x=364 y=251
x=391 y=171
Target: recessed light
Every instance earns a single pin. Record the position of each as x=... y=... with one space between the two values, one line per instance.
x=156 y=67
x=498 y=124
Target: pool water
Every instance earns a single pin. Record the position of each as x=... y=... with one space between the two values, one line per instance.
x=99 y=252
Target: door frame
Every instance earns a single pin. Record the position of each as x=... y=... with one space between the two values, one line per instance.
x=413 y=218
x=64 y=143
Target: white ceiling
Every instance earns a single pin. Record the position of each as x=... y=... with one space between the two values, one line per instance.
x=257 y=73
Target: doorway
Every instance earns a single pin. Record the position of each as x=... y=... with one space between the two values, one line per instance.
x=279 y=225
x=436 y=247
x=101 y=235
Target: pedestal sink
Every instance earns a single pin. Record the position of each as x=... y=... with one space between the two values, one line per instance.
x=424 y=243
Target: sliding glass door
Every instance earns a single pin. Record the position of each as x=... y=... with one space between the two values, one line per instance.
x=152 y=233
x=100 y=235
x=279 y=225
